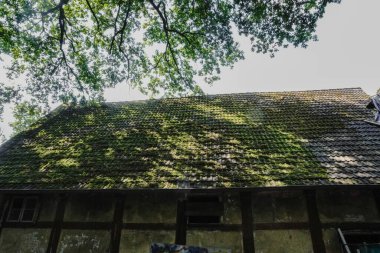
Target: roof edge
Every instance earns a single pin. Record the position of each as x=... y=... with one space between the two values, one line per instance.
x=13 y=140
x=195 y=190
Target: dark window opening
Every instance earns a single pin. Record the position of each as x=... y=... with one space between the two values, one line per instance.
x=204 y=209
x=203 y=219
x=356 y=241
x=23 y=209
x=203 y=198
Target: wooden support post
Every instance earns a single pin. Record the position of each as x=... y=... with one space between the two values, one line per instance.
x=314 y=222
x=180 y=235
x=376 y=196
x=117 y=224
x=247 y=222
x=57 y=227
x=4 y=211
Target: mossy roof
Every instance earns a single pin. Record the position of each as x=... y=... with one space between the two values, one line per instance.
x=216 y=141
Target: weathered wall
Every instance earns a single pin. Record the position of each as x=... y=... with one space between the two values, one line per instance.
x=17 y=240
x=283 y=241
x=140 y=241
x=90 y=207
x=331 y=240
x=232 y=211
x=344 y=206
x=162 y=208
x=216 y=239
x=48 y=207
x=150 y=208
x=349 y=206
x=82 y=241
x=280 y=207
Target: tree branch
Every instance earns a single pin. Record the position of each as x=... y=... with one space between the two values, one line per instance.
x=62 y=28
x=115 y=27
x=55 y=8
x=93 y=14
x=165 y=26
x=63 y=34
x=122 y=30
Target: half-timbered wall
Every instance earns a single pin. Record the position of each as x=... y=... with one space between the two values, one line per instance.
x=252 y=221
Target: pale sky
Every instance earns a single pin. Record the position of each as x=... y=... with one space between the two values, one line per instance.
x=346 y=55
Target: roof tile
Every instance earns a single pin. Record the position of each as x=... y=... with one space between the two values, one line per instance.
x=234 y=140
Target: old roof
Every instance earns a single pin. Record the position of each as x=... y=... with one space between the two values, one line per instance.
x=235 y=140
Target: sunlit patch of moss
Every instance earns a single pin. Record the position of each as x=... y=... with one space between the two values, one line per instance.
x=119 y=135
x=275 y=183
x=167 y=185
x=89 y=119
x=105 y=182
x=42 y=134
x=212 y=135
x=233 y=141
x=109 y=153
x=164 y=171
x=67 y=162
x=46 y=166
x=219 y=113
x=127 y=182
x=140 y=182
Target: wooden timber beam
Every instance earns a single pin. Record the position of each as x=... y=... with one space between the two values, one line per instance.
x=314 y=222
x=247 y=221
x=117 y=224
x=181 y=225
x=57 y=225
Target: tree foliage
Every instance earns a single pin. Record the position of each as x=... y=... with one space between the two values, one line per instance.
x=25 y=114
x=71 y=50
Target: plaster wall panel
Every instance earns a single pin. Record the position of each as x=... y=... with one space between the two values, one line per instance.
x=331 y=239
x=216 y=239
x=283 y=241
x=279 y=207
x=48 y=205
x=84 y=241
x=232 y=211
x=347 y=206
x=93 y=207
x=150 y=208
x=16 y=240
x=135 y=241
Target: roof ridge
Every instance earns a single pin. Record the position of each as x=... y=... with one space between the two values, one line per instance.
x=331 y=89
x=231 y=94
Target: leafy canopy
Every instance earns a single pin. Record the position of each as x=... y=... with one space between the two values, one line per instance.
x=70 y=50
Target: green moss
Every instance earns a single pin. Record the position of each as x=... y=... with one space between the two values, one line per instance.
x=222 y=141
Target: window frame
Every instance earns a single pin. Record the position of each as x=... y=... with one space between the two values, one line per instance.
x=23 y=208
x=347 y=246
x=204 y=209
